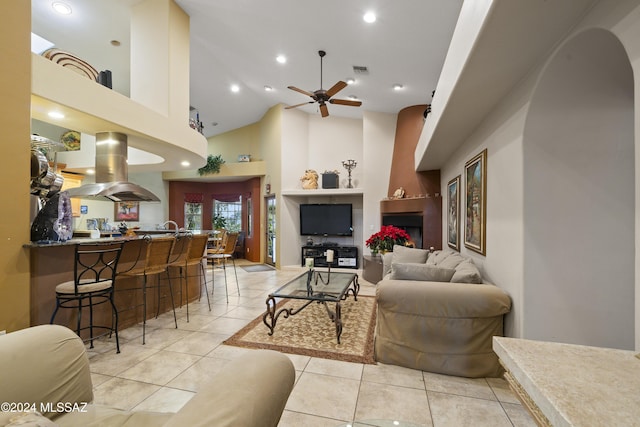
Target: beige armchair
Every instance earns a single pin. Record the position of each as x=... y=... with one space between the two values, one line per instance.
x=46 y=368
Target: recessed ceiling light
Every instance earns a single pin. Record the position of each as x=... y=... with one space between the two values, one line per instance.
x=235 y=88
x=281 y=59
x=61 y=8
x=268 y=88
x=351 y=81
x=369 y=17
x=398 y=86
x=185 y=163
x=90 y=172
x=55 y=115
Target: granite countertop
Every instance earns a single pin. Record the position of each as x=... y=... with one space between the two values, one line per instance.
x=575 y=385
x=52 y=243
x=115 y=237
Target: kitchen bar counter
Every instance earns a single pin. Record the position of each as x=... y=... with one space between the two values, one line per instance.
x=104 y=238
x=573 y=385
x=52 y=264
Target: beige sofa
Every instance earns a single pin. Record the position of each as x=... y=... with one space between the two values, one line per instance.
x=436 y=314
x=46 y=368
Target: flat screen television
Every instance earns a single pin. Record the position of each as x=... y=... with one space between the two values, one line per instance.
x=326 y=219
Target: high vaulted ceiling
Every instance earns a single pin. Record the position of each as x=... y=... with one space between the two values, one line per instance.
x=237 y=41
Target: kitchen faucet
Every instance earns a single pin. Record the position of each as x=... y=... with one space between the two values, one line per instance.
x=163 y=226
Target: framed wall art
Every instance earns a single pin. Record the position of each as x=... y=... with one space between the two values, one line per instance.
x=453 y=213
x=127 y=211
x=475 y=177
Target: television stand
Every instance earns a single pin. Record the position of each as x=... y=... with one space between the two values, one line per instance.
x=343 y=256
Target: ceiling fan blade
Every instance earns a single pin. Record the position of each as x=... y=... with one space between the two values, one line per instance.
x=336 y=88
x=324 y=111
x=348 y=102
x=304 y=92
x=298 y=105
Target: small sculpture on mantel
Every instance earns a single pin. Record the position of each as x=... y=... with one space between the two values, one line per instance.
x=398 y=194
x=310 y=180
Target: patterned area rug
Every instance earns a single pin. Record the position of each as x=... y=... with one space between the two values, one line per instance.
x=312 y=333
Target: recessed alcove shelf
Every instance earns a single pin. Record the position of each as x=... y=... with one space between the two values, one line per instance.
x=324 y=192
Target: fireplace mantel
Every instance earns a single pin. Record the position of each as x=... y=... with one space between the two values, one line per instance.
x=405 y=205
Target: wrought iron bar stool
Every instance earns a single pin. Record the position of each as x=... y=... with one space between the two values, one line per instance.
x=227 y=253
x=94 y=274
x=158 y=251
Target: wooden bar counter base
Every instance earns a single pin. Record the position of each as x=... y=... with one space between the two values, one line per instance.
x=53 y=264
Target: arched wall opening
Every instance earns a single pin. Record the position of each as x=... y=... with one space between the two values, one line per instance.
x=579 y=197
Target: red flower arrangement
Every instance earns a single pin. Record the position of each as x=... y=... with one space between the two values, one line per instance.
x=383 y=240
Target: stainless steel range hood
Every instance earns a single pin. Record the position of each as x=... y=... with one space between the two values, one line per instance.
x=112 y=180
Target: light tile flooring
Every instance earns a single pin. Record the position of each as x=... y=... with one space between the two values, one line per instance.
x=175 y=363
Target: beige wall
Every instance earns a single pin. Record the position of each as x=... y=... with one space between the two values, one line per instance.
x=244 y=140
x=270 y=141
x=15 y=119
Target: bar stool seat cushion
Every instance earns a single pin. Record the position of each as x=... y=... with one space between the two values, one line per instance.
x=69 y=287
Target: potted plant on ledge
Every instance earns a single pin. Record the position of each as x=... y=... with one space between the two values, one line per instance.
x=383 y=240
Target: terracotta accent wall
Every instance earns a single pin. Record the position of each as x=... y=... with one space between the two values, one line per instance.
x=408 y=129
x=421 y=188
x=209 y=190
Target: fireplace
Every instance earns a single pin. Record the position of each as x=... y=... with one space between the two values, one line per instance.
x=418 y=216
x=411 y=223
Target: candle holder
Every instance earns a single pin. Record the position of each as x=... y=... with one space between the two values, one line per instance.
x=349 y=165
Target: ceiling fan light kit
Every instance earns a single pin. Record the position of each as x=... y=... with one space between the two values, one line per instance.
x=322 y=96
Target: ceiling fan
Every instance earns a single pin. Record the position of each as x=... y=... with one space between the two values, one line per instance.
x=322 y=96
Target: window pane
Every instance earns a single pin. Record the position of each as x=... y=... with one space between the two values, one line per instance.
x=193 y=216
x=228 y=215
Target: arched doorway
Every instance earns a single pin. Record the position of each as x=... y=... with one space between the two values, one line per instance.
x=579 y=197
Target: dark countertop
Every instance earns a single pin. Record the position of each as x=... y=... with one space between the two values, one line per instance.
x=114 y=237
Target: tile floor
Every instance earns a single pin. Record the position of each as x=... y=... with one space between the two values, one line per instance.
x=166 y=372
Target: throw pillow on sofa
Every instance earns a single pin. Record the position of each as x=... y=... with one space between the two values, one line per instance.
x=420 y=271
x=412 y=255
x=467 y=272
x=403 y=254
x=437 y=256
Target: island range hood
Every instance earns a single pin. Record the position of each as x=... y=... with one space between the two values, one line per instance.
x=112 y=173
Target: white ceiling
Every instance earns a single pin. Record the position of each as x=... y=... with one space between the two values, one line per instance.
x=236 y=42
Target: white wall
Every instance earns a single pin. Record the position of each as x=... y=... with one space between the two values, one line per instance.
x=578 y=178
x=332 y=140
x=503 y=133
x=312 y=142
x=294 y=154
x=379 y=132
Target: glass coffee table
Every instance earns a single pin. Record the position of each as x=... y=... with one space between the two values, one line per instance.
x=314 y=286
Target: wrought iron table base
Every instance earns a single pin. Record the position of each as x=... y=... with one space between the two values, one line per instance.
x=270 y=318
